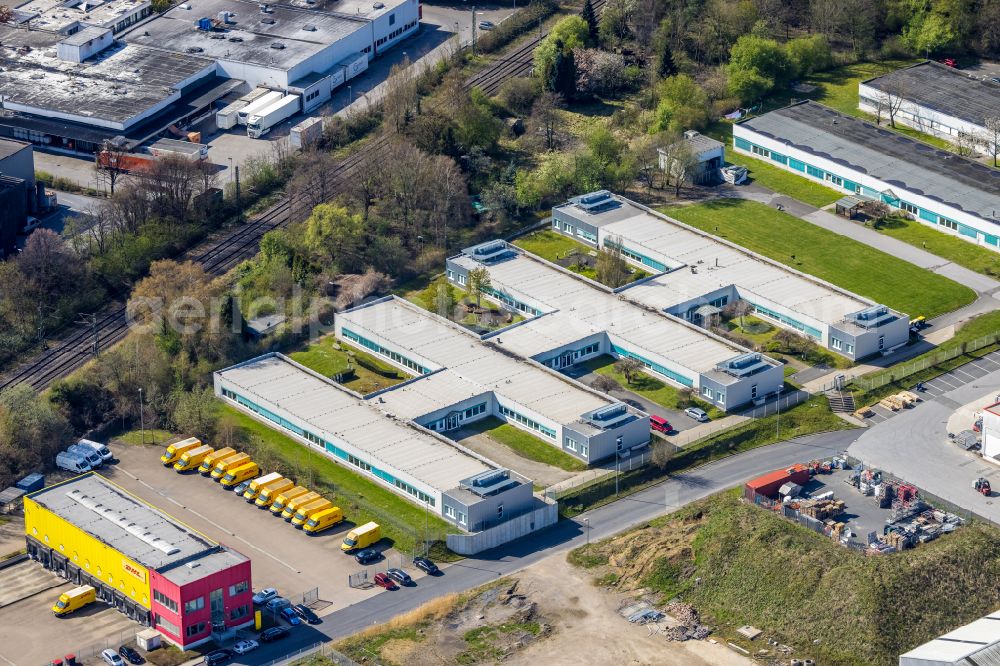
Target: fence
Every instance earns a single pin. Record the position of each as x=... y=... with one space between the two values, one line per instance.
x=816 y=525
x=879 y=379
x=112 y=641
x=773 y=407
x=314 y=650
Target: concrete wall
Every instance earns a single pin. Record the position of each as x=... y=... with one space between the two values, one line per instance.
x=896 y=333
x=605 y=444
x=470 y=544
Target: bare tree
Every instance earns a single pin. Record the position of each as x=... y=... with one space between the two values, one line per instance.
x=737 y=309
x=889 y=100
x=313 y=180
x=110 y=163
x=6 y=14
x=604 y=384
x=545 y=119
x=678 y=162
x=612 y=268
x=966 y=143
x=401 y=99
x=990 y=137
x=629 y=367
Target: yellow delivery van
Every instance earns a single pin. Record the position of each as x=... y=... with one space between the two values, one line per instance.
x=174 y=451
x=74 y=599
x=361 y=537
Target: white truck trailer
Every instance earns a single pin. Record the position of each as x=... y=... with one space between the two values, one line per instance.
x=306 y=134
x=261 y=122
x=243 y=115
x=185 y=149
x=226 y=118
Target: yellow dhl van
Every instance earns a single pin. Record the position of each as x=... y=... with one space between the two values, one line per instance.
x=238 y=475
x=259 y=484
x=208 y=464
x=74 y=599
x=307 y=511
x=229 y=463
x=283 y=498
x=174 y=451
x=322 y=520
x=270 y=492
x=193 y=458
x=292 y=507
x=361 y=537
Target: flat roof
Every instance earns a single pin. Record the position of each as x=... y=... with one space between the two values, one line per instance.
x=301 y=32
x=124 y=522
x=10 y=147
x=57 y=15
x=338 y=414
x=896 y=160
x=83 y=36
x=944 y=89
x=980 y=638
x=356 y=8
x=470 y=366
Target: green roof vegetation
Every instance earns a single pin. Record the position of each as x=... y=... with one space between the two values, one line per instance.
x=361 y=371
x=527 y=445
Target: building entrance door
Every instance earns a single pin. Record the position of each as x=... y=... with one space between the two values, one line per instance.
x=452 y=421
x=218 y=607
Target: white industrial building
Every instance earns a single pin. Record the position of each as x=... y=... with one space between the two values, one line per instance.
x=463 y=487
x=935 y=99
x=956 y=195
x=991 y=433
x=973 y=644
x=708 y=156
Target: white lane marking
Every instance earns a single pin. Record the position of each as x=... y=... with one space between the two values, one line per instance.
x=7 y=660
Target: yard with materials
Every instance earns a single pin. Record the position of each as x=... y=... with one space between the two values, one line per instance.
x=843 y=261
x=738 y=564
x=650 y=387
x=362 y=500
x=526 y=445
x=359 y=370
x=946 y=246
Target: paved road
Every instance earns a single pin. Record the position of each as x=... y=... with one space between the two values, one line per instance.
x=605 y=521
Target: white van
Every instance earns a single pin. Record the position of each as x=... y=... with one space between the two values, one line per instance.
x=98 y=448
x=92 y=457
x=72 y=463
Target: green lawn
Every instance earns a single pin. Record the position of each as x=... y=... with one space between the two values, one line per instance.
x=838 y=259
x=754 y=329
x=553 y=246
x=650 y=387
x=952 y=248
x=362 y=500
x=426 y=298
x=324 y=357
x=527 y=445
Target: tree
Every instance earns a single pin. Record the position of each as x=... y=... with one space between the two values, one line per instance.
x=683 y=105
x=889 y=100
x=737 y=309
x=563 y=78
x=31 y=433
x=757 y=66
x=175 y=301
x=590 y=16
x=569 y=33
x=662 y=53
x=599 y=72
x=110 y=163
x=662 y=452
x=444 y=299
x=966 y=143
x=335 y=235
x=809 y=54
x=401 y=98
x=991 y=137
x=476 y=125
x=612 y=268
x=876 y=211
x=7 y=14
x=604 y=384
x=614 y=22
x=195 y=412
x=518 y=94
x=928 y=31
x=629 y=367
x=479 y=282
x=545 y=118
x=678 y=163
x=313 y=182
x=48 y=264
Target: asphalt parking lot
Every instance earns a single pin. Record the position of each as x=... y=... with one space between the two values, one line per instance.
x=862 y=514
x=282 y=556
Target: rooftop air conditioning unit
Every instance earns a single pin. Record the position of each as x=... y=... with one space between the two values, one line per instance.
x=277 y=45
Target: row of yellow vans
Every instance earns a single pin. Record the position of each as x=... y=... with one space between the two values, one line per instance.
x=227 y=466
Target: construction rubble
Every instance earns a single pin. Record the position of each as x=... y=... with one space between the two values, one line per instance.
x=677 y=621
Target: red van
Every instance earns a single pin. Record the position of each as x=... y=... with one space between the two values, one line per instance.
x=659 y=424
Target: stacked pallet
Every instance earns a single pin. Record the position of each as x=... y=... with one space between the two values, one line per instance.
x=897 y=540
x=821 y=509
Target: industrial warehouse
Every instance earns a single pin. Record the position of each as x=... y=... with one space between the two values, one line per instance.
x=956 y=195
x=933 y=98
x=464 y=488
x=149 y=566
x=86 y=74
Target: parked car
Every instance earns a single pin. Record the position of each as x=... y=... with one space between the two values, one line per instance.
x=131 y=655
x=426 y=566
x=264 y=596
x=242 y=487
x=659 y=424
x=218 y=657
x=367 y=556
x=291 y=616
x=32 y=224
x=697 y=413
x=245 y=646
x=400 y=576
x=277 y=603
x=307 y=614
x=487 y=25
x=383 y=580
x=273 y=634
x=111 y=658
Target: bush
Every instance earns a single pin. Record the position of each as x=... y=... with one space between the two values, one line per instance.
x=517 y=95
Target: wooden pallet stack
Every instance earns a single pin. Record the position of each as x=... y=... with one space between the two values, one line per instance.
x=821 y=509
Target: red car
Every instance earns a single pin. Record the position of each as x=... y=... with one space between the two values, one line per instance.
x=659 y=424
x=383 y=580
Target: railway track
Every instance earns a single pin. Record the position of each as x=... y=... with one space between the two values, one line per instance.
x=243 y=243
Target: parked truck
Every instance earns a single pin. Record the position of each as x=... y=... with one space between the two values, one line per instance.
x=192 y=152
x=175 y=450
x=74 y=599
x=292 y=506
x=361 y=537
x=286 y=496
x=270 y=492
x=261 y=122
x=265 y=100
x=208 y=464
x=307 y=511
x=323 y=520
x=228 y=463
x=72 y=463
x=238 y=475
x=258 y=484
x=192 y=459
x=130 y=162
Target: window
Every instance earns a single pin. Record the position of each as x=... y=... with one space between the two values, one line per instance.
x=164 y=600
x=449 y=511
x=796 y=164
x=584 y=450
x=814 y=172
x=881 y=341
x=194 y=629
x=239 y=611
x=753 y=391
x=239 y=588
x=945 y=222
x=392 y=19
x=555 y=223
x=571 y=444
x=836 y=180
x=461 y=279
x=167 y=625
x=707 y=392
x=526 y=422
x=909 y=208
x=474 y=411
x=741 y=143
x=757 y=150
x=849 y=348
x=461 y=518
x=836 y=343
x=451 y=274
x=194 y=605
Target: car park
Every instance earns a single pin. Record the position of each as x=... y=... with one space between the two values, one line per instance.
x=426 y=566
x=131 y=655
x=697 y=413
x=111 y=658
x=291 y=616
x=383 y=580
x=400 y=576
x=264 y=596
x=273 y=634
x=307 y=614
x=218 y=657
x=277 y=603
x=367 y=556
x=245 y=646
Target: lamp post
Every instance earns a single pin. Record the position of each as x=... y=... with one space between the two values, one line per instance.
x=142 y=421
x=350 y=95
x=587 y=521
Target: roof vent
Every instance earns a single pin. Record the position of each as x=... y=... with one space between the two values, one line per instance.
x=236 y=39
x=268 y=21
x=194 y=49
x=193 y=565
x=309 y=27
x=379 y=5
x=277 y=45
